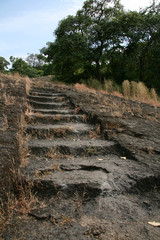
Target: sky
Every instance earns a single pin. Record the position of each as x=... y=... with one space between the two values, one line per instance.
x=27 y=25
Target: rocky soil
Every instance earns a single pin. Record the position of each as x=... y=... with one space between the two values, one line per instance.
x=12 y=108
x=93 y=164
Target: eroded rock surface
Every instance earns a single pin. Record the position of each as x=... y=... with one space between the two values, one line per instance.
x=96 y=174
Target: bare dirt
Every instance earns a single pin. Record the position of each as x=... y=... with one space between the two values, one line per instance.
x=94 y=165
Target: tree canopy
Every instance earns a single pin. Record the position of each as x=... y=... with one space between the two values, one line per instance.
x=23 y=68
x=104 y=41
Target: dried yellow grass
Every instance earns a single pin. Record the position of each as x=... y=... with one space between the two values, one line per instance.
x=83 y=87
x=142 y=92
x=28 y=85
x=133 y=89
x=109 y=86
x=126 y=89
x=8 y=100
x=138 y=91
x=154 y=96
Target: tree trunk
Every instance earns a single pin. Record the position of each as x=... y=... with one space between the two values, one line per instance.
x=99 y=76
x=141 y=69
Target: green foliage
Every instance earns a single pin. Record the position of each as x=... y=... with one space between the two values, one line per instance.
x=139 y=55
x=23 y=68
x=3 y=64
x=78 y=51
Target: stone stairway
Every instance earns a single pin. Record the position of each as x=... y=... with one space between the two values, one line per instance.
x=66 y=152
x=88 y=188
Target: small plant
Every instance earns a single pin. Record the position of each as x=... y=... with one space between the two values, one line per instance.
x=90 y=151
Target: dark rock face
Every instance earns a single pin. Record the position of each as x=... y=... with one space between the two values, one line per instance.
x=96 y=174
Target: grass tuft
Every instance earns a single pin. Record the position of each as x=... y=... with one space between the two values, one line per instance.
x=126 y=89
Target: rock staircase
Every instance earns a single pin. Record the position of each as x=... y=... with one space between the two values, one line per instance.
x=66 y=152
x=89 y=190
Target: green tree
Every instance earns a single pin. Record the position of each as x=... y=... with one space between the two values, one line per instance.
x=104 y=41
x=138 y=48
x=68 y=52
x=99 y=16
x=3 y=64
x=80 y=48
x=23 y=68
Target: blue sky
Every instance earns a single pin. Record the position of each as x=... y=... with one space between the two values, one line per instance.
x=26 y=25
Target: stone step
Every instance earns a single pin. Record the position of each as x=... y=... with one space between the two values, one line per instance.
x=54 y=112
x=74 y=147
x=59 y=98
x=87 y=176
x=48 y=105
x=43 y=93
x=45 y=131
x=54 y=119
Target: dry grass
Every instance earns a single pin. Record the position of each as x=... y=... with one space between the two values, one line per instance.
x=77 y=110
x=18 y=202
x=17 y=194
x=95 y=134
x=142 y=92
x=29 y=110
x=58 y=117
x=154 y=97
x=8 y=100
x=131 y=90
x=126 y=89
x=28 y=85
x=84 y=118
x=53 y=168
x=138 y=91
x=55 y=154
x=83 y=87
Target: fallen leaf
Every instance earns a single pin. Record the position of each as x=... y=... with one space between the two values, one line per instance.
x=155 y=224
x=123 y=158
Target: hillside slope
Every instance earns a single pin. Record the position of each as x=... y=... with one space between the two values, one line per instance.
x=92 y=170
